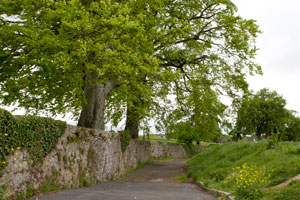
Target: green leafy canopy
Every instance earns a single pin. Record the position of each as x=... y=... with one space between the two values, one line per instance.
x=151 y=48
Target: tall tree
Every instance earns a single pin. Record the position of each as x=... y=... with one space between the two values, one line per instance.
x=68 y=55
x=203 y=42
x=263 y=115
x=60 y=56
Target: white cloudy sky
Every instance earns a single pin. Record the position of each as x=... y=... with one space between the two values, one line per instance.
x=279 y=45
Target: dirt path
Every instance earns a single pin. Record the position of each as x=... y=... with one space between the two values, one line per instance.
x=156 y=181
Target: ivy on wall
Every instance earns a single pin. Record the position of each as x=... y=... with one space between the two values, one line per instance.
x=39 y=135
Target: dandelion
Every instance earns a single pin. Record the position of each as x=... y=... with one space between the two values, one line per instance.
x=17 y=154
x=20 y=165
x=4 y=162
x=18 y=148
x=12 y=149
x=15 y=159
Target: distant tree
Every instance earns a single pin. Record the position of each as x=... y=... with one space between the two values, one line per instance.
x=262 y=114
x=292 y=129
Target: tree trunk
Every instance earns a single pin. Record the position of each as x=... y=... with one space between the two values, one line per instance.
x=92 y=113
x=132 y=123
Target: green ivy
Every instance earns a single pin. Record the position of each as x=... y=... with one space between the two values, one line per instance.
x=8 y=130
x=39 y=135
x=125 y=140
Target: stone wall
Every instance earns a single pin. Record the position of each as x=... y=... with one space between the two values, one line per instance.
x=82 y=157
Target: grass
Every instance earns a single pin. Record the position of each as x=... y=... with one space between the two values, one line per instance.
x=214 y=165
x=289 y=192
x=172 y=140
x=160 y=139
x=182 y=178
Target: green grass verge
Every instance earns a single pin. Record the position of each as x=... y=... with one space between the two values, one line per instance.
x=216 y=164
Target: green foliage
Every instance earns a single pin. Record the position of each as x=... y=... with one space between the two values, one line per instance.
x=200 y=120
x=263 y=115
x=38 y=135
x=4 y=194
x=292 y=132
x=125 y=140
x=150 y=48
x=185 y=133
x=49 y=186
x=8 y=132
x=84 y=181
x=182 y=178
x=219 y=162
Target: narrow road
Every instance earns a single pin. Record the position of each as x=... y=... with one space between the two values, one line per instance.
x=156 y=181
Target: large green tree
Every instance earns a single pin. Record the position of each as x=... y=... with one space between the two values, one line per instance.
x=68 y=55
x=263 y=115
x=73 y=55
x=204 y=45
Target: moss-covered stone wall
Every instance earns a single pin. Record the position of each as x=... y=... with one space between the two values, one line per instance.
x=82 y=157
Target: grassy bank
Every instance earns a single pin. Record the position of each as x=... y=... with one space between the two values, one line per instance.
x=244 y=168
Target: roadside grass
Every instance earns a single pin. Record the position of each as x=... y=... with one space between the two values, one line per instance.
x=218 y=163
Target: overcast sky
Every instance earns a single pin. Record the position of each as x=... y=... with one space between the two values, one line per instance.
x=279 y=45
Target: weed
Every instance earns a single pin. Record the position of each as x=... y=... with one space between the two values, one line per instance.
x=182 y=178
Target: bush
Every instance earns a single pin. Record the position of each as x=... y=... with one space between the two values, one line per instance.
x=186 y=138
